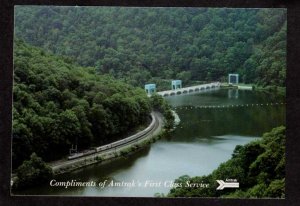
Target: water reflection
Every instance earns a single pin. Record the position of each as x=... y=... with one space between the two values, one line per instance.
x=233 y=93
x=204 y=138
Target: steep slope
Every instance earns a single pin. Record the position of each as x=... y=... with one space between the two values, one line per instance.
x=259 y=167
x=136 y=44
x=57 y=104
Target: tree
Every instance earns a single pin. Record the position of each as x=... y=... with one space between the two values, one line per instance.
x=129 y=44
x=159 y=103
x=32 y=172
x=258 y=166
x=57 y=104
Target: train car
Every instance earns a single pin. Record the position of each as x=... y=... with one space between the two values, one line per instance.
x=81 y=154
x=119 y=142
x=74 y=156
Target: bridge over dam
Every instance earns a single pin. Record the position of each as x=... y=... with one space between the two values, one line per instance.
x=187 y=90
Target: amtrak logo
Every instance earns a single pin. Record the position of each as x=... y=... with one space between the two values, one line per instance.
x=228 y=184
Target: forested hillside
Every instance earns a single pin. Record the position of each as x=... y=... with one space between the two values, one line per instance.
x=259 y=167
x=141 y=45
x=57 y=104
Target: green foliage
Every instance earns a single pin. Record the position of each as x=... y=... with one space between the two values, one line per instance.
x=160 y=104
x=142 y=44
x=276 y=189
x=269 y=61
x=98 y=158
x=259 y=167
x=157 y=194
x=57 y=104
x=32 y=172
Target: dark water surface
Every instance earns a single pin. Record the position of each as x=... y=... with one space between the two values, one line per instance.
x=204 y=138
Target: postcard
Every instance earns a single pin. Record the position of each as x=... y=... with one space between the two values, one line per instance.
x=149 y=102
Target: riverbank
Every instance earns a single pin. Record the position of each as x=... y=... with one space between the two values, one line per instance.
x=113 y=153
x=200 y=143
x=253 y=155
x=268 y=89
x=271 y=89
x=237 y=86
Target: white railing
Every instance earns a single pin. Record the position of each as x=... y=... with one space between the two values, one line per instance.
x=186 y=90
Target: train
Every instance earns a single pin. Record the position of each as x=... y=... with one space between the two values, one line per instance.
x=118 y=143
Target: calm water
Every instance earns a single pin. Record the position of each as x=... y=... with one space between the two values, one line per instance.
x=204 y=138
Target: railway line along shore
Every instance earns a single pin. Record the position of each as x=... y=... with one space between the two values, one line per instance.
x=132 y=144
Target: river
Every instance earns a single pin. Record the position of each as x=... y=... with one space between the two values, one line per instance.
x=212 y=124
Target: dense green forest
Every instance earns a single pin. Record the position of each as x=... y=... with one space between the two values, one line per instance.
x=142 y=45
x=259 y=167
x=57 y=104
x=32 y=172
x=79 y=74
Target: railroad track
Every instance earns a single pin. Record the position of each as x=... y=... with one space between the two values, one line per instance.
x=155 y=123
